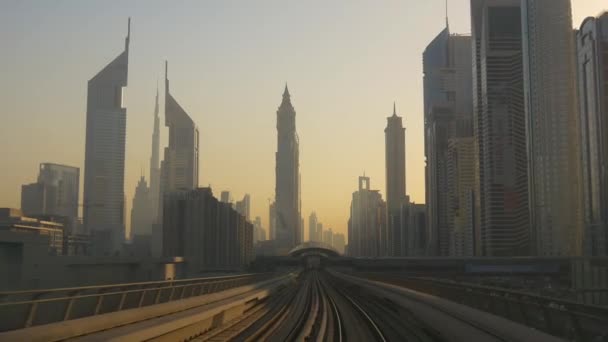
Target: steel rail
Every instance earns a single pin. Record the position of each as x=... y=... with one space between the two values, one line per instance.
x=367 y=317
x=438 y=308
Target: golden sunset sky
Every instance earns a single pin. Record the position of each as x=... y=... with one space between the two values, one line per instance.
x=345 y=61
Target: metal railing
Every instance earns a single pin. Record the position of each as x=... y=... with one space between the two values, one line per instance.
x=22 y=309
x=567 y=319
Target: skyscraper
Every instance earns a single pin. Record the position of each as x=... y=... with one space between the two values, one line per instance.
x=179 y=168
x=552 y=126
x=447 y=100
x=155 y=164
x=500 y=128
x=395 y=180
x=141 y=220
x=287 y=191
x=312 y=227
x=104 y=164
x=592 y=47
x=367 y=231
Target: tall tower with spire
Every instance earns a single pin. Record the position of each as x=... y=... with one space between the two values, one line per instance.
x=287 y=189
x=104 y=160
x=395 y=180
x=154 y=162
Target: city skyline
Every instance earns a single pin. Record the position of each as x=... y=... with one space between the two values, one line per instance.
x=363 y=149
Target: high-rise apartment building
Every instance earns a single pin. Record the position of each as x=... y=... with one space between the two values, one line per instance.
x=394 y=134
x=447 y=99
x=367 y=229
x=287 y=190
x=500 y=129
x=592 y=67
x=552 y=127
x=104 y=162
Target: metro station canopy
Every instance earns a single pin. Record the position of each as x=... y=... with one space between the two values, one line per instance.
x=314 y=248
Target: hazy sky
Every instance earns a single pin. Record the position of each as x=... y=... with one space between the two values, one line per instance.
x=345 y=61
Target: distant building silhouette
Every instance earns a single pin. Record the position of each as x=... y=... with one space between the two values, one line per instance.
x=319 y=233
x=104 y=164
x=209 y=233
x=592 y=46
x=225 y=197
x=155 y=164
x=55 y=193
x=367 y=231
x=395 y=182
x=287 y=190
x=339 y=242
x=141 y=220
x=500 y=129
x=259 y=233
x=146 y=200
x=328 y=237
x=272 y=220
x=447 y=98
x=312 y=227
x=243 y=207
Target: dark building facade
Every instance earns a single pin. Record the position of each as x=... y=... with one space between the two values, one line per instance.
x=500 y=129
x=592 y=47
x=211 y=235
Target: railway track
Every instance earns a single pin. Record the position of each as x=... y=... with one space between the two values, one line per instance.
x=326 y=306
